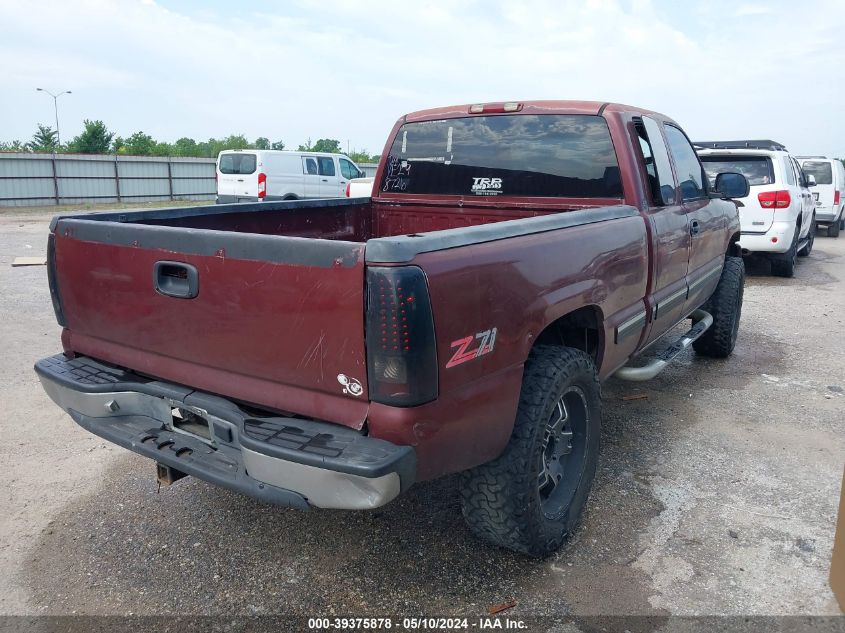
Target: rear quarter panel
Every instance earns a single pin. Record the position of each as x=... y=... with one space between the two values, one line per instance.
x=519 y=286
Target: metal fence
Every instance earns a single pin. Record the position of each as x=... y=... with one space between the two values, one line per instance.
x=369 y=169
x=44 y=179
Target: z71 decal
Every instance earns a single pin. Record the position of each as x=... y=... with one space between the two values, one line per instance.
x=463 y=353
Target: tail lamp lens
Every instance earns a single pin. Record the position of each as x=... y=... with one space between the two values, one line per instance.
x=835 y=198
x=401 y=353
x=774 y=199
x=262 y=185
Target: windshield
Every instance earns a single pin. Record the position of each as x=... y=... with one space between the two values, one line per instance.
x=512 y=155
x=822 y=172
x=756 y=169
x=237 y=163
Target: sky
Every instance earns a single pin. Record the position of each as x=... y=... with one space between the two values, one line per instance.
x=348 y=69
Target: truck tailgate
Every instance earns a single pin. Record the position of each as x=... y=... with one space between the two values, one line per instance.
x=276 y=321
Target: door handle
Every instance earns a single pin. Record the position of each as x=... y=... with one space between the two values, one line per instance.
x=240 y=179
x=176 y=279
x=325 y=179
x=694 y=227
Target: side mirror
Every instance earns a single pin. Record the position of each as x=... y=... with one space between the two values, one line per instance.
x=732 y=185
x=811 y=180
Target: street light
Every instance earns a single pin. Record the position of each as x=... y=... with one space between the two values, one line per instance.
x=56 y=108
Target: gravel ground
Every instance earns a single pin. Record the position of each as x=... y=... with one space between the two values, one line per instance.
x=716 y=494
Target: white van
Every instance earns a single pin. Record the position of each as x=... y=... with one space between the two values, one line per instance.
x=829 y=191
x=253 y=175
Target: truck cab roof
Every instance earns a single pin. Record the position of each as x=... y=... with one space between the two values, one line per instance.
x=593 y=108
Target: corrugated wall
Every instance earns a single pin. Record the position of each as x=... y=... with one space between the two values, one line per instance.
x=43 y=179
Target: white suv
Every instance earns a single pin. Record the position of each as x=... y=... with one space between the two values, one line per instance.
x=829 y=191
x=777 y=217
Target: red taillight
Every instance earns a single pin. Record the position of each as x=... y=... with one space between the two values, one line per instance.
x=262 y=185
x=348 y=185
x=774 y=199
x=835 y=198
x=401 y=353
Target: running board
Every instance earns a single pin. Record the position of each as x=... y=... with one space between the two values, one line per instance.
x=701 y=323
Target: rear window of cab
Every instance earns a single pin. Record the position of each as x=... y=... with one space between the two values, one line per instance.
x=237 y=163
x=506 y=155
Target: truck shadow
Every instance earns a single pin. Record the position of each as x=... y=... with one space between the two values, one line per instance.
x=193 y=548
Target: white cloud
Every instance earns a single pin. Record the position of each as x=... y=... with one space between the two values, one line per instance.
x=347 y=69
x=753 y=9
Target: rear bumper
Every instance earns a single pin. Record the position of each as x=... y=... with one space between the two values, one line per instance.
x=287 y=461
x=827 y=215
x=762 y=242
x=236 y=199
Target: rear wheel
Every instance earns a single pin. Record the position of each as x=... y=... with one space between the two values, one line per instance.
x=725 y=306
x=530 y=497
x=811 y=237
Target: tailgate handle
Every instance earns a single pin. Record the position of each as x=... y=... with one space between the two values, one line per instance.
x=176 y=279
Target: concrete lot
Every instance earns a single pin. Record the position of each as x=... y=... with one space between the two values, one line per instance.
x=716 y=494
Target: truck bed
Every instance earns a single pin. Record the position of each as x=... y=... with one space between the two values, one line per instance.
x=355 y=220
x=275 y=313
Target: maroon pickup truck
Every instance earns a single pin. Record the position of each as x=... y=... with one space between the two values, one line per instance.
x=334 y=352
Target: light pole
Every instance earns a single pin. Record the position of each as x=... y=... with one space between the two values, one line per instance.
x=56 y=108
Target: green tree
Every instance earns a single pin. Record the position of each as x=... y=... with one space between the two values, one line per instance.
x=305 y=147
x=185 y=147
x=95 y=139
x=44 y=140
x=140 y=144
x=163 y=148
x=327 y=145
x=278 y=145
x=362 y=157
x=11 y=146
x=262 y=142
x=118 y=145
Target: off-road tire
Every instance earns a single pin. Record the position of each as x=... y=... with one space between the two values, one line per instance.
x=725 y=306
x=833 y=229
x=811 y=237
x=784 y=265
x=502 y=500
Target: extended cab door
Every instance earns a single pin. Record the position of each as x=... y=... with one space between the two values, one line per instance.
x=670 y=231
x=707 y=220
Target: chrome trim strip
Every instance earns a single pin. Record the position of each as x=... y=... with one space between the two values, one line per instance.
x=705 y=277
x=630 y=326
x=677 y=297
